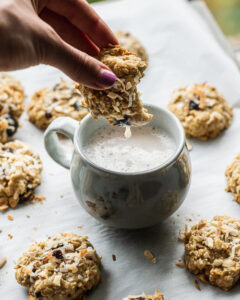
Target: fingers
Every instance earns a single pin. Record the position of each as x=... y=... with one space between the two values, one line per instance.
x=82 y=16
x=81 y=67
x=69 y=32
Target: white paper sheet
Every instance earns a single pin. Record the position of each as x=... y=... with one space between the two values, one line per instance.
x=181 y=51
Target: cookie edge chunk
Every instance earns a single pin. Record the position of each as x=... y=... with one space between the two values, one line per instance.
x=232 y=174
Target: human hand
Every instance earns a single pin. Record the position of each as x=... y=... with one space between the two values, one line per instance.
x=62 y=33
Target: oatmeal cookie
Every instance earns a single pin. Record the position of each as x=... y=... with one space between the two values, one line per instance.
x=212 y=251
x=232 y=174
x=20 y=172
x=143 y=296
x=120 y=104
x=11 y=105
x=131 y=44
x=62 y=100
x=203 y=112
x=62 y=267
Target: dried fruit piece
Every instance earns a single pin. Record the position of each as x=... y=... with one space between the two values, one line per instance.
x=193 y=105
x=58 y=254
x=150 y=256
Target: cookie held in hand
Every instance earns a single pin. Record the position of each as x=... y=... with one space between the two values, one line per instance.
x=120 y=104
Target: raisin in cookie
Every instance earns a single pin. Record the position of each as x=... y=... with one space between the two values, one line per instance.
x=203 y=112
x=120 y=104
x=20 y=172
x=232 y=174
x=62 y=267
x=62 y=100
x=143 y=296
x=131 y=44
x=212 y=251
x=11 y=105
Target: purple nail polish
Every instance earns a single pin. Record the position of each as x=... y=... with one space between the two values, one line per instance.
x=108 y=78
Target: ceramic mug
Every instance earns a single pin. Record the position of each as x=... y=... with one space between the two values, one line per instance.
x=124 y=200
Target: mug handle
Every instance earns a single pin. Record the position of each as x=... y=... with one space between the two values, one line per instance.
x=55 y=149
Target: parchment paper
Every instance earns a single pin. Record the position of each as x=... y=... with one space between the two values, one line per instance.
x=181 y=51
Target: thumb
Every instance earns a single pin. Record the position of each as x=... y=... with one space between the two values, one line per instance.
x=79 y=66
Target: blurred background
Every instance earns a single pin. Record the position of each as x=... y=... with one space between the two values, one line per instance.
x=226 y=13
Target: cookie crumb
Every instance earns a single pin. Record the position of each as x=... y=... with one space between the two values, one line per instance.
x=27 y=215
x=61 y=196
x=180 y=264
x=38 y=197
x=3 y=207
x=189 y=146
x=114 y=258
x=197 y=285
x=10 y=218
x=2 y=262
x=202 y=278
x=35 y=228
x=10 y=236
x=181 y=236
x=150 y=256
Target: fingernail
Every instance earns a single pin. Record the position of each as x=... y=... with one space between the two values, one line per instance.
x=107 y=78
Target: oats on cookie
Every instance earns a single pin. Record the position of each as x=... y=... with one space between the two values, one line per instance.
x=232 y=174
x=203 y=112
x=11 y=105
x=131 y=44
x=143 y=296
x=20 y=172
x=212 y=251
x=62 y=267
x=62 y=100
x=120 y=104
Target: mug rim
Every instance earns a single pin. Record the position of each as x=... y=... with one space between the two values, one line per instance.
x=165 y=164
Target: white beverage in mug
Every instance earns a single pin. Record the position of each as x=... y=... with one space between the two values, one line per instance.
x=147 y=147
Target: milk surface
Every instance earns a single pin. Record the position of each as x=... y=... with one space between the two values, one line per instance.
x=146 y=148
